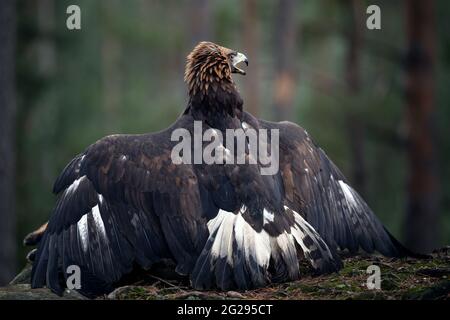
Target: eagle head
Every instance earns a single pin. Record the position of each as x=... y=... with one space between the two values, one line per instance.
x=209 y=67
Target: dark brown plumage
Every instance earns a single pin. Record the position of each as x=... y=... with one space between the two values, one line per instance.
x=123 y=202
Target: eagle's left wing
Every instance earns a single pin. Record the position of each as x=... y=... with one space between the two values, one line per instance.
x=315 y=186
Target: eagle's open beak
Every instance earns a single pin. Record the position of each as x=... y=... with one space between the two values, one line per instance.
x=238 y=58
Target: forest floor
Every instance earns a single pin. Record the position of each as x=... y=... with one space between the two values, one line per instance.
x=400 y=279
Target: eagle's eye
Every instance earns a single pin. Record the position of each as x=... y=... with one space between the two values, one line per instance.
x=235 y=58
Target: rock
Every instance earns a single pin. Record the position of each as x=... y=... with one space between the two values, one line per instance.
x=19 y=289
x=24 y=277
x=235 y=295
x=24 y=292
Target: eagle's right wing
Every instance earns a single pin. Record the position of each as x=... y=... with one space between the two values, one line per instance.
x=120 y=202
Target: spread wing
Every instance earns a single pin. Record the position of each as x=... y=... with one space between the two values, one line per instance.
x=123 y=202
x=120 y=202
x=316 y=187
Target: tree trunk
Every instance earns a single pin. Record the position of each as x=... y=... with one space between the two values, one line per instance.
x=422 y=219
x=251 y=45
x=285 y=42
x=356 y=127
x=7 y=141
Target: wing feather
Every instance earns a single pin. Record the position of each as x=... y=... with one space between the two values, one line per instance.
x=334 y=209
x=120 y=202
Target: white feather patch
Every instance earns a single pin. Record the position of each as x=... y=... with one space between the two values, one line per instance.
x=223 y=246
x=262 y=247
x=74 y=186
x=251 y=243
x=258 y=247
x=348 y=193
x=229 y=226
x=246 y=126
x=268 y=216
x=213 y=224
x=82 y=227
x=98 y=221
x=301 y=230
x=299 y=236
x=286 y=243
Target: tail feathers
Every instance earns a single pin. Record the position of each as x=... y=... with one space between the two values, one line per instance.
x=284 y=253
x=322 y=258
x=236 y=256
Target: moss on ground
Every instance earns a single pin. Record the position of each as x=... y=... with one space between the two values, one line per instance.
x=400 y=279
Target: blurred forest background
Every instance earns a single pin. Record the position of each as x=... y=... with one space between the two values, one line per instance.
x=377 y=101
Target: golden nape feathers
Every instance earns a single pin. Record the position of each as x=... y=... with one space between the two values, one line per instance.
x=208 y=67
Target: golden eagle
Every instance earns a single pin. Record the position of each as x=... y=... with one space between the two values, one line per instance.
x=124 y=203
